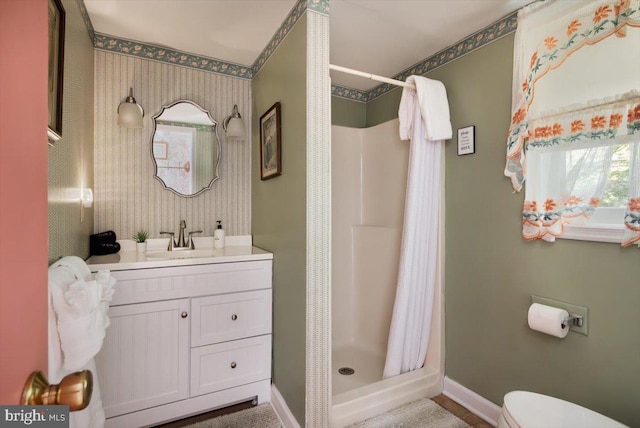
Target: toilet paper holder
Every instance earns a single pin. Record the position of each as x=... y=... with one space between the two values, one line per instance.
x=575 y=311
x=572 y=320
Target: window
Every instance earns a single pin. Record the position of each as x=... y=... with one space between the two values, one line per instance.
x=607 y=222
x=577 y=142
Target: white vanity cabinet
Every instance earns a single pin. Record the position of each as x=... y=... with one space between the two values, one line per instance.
x=184 y=340
x=144 y=361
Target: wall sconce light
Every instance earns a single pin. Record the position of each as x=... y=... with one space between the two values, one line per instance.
x=130 y=113
x=87 y=198
x=84 y=195
x=86 y=201
x=233 y=125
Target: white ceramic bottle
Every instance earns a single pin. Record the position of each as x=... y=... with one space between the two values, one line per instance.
x=218 y=236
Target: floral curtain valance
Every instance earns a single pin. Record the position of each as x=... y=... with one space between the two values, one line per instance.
x=553 y=43
x=587 y=126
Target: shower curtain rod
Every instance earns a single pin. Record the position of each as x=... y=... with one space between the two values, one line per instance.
x=372 y=76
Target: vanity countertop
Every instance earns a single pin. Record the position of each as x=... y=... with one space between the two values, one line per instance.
x=128 y=258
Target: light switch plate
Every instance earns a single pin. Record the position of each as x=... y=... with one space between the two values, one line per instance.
x=572 y=309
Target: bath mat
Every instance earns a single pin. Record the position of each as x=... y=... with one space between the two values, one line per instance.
x=419 y=414
x=261 y=416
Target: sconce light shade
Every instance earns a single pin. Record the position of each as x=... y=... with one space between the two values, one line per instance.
x=234 y=125
x=87 y=198
x=130 y=113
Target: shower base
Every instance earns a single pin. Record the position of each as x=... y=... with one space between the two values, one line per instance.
x=367 y=367
x=365 y=394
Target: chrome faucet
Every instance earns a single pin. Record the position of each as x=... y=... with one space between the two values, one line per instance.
x=181 y=243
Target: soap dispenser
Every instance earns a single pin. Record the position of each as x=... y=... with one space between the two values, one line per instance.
x=218 y=236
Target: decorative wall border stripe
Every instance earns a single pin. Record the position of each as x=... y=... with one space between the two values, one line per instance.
x=298 y=10
x=158 y=53
x=475 y=41
x=320 y=6
x=171 y=56
x=348 y=93
x=87 y=20
x=493 y=32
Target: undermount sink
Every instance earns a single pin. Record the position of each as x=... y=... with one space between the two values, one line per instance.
x=181 y=254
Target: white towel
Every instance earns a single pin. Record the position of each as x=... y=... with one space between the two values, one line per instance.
x=61 y=277
x=434 y=108
x=78 y=318
x=76 y=264
x=81 y=314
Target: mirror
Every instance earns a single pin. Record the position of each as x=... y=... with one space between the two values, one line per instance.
x=185 y=148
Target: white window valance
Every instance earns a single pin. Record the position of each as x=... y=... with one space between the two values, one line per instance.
x=575 y=99
x=548 y=34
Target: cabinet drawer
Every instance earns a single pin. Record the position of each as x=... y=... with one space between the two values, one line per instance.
x=146 y=285
x=227 y=317
x=229 y=364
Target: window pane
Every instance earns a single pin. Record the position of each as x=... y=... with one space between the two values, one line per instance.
x=616 y=193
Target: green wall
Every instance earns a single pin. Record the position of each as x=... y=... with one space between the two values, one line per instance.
x=278 y=210
x=491 y=272
x=348 y=113
x=383 y=108
x=70 y=162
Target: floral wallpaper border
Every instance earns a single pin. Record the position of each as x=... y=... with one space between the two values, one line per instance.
x=163 y=54
x=196 y=126
x=320 y=6
x=475 y=41
x=87 y=20
x=298 y=10
x=487 y=35
x=171 y=56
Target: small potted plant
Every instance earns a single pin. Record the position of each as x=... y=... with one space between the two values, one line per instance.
x=141 y=240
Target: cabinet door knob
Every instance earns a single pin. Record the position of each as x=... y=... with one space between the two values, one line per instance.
x=234 y=317
x=233 y=365
x=184 y=315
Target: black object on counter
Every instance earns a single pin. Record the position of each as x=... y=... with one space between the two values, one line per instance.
x=103 y=243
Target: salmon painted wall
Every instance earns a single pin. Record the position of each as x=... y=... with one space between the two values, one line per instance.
x=23 y=194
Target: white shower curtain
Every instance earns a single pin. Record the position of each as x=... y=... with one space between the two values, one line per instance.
x=417 y=272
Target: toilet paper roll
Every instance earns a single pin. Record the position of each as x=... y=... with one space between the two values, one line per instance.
x=547 y=319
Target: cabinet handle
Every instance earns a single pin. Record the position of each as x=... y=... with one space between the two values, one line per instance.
x=234 y=317
x=184 y=315
x=233 y=365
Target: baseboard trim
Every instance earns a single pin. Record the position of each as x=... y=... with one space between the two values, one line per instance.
x=282 y=410
x=475 y=403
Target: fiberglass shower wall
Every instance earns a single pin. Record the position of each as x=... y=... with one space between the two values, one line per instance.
x=369 y=174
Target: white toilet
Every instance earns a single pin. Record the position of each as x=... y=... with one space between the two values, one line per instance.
x=524 y=409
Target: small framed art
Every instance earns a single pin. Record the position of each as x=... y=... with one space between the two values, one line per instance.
x=160 y=150
x=270 y=143
x=56 y=68
x=466 y=140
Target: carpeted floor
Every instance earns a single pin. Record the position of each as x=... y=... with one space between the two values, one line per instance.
x=420 y=414
x=261 y=416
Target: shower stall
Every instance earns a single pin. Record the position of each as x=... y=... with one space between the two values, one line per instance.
x=369 y=176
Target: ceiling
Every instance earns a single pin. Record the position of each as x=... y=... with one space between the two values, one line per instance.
x=383 y=37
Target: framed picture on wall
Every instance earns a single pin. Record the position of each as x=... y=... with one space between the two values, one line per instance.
x=270 y=143
x=56 y=69
x=160 y=150
x=466 y=140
